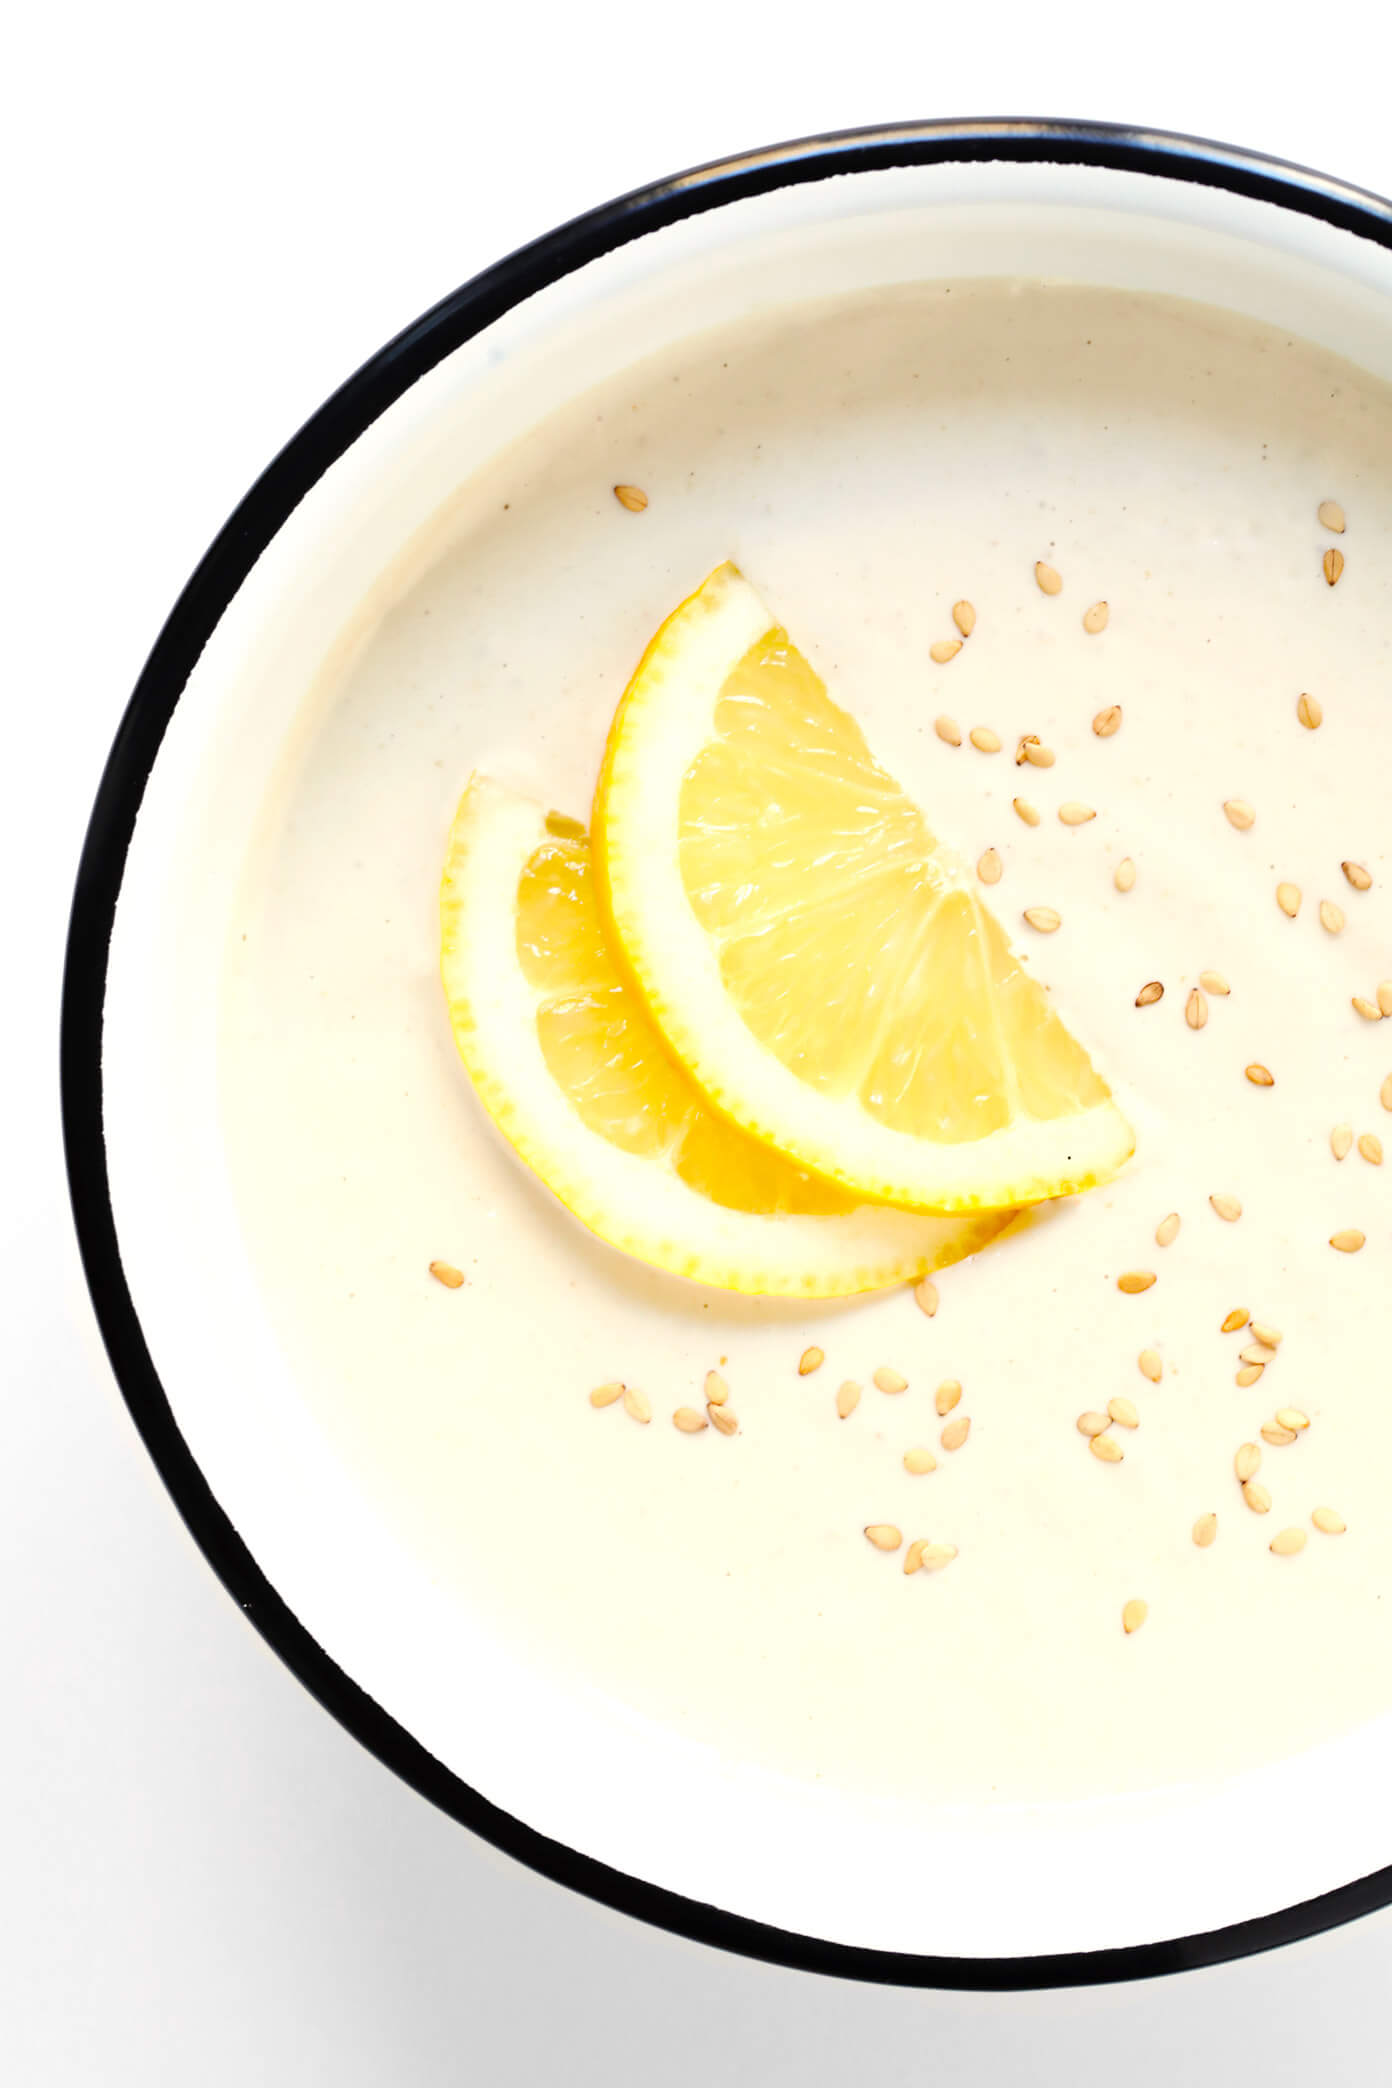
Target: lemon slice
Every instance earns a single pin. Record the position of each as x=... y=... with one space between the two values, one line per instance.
x=810 y=952
x=568 y=1065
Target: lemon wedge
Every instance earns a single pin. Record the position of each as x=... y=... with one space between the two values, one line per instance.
x=567 y=1063
x=810 y=952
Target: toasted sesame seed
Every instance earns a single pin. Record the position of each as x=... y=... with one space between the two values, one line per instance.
x=1370 y=1147
x=1149 y=1364
x=606 y=1395
x=1273 y=1433
x=446 y=1273
x=1328 y=1520
x=956 y=1432
x=1050 y=582
x=1331 y=917
x=884 y=1536
x=1024 y=810
x=1214 y=982
x=913 y=1557
x=989 y=867
x=1288 y=899
x=1385 y=1093
x=847 y=1398
x=1227 y=1207
x=1249 y=1374
x=631 y=497
x=944 y=649
x=1310 y=712
x=1167 y=1231
x=1095 y=618
x=1331 y=516
x=1247 y=1462
x=1286 y=1543
x=1369 y=1010
x=947 y=1396
x=1264 y=1332
x=1108 y=721
x=1205 y=1530
x=1075 y=815
x=1133 y=1281
x=1257 y=1352
x=1196 y=1009
x=1023 y=745
x=636 y=1404
x=1043 y=918
x=1384 y=996
x=917 y=1461
x=1261 y=1076
x=1292 y=1417
x=811 y=1359
x=1257 y=1497
x=1124 y=876
x=1150 y=994
x=1107 y=1448
x=925 y=1296
x=723 y=1419
x=1236 y=1318
x=1091 y=1423
x=1134 y=1615
x=1348 y=1241
x=887 y=1380
x=964 y=616
x=1333 y=563
x=1123 y=1412
x=1039 y=756
x=689 y=1421
x=1240 y=813
x=1358 y=877
x=1341 y=1141
x=715 y=1388
x=949 y=730
x=982 y=738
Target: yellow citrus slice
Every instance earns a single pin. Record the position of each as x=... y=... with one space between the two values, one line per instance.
x=568 y=1065
x=808 y=949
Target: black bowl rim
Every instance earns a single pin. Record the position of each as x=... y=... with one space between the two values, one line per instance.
x=215 y=582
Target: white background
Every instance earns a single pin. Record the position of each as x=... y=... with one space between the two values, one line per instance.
x=212 y=216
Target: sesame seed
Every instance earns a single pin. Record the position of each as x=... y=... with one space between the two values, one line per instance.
x=1108 y=721
x=925 y=1296
x=1271 y=1336
x=913 y=1557
x=1134 y=1615
x=948 y=730
x=1095 y=618
x=1150 y=994
x=1240 y=813
x=1107 y=1448
x=1149 y=1364
x=1293 y=1418
x=1214 y=982
x=944 y=649
x=989 y=867
x=917 y=1461
x=1384 y=996
x=1205 y=1530
x=811 y=1359
x=722 y=1418
x=689 y=1421
x=1310 y=712
x=1370 y=1147
x=1341 y=1141
x=1050 y=582
x=1258 y=1352
x=1024 y=810
x=1247 y=1462
x=1358 y=877
x=1038 y=756
x=1227 y=1207
x=1286 y=1543
x=1196 y=1009
x=1348 y=1241
x=1123 y=1412
x=947 y=1396
x=1333 y=563
x=606 y=1395
x=1288 y=899
x=1331 y=516
x=1385 y=1093
x=847 y=1398
x=1328 y=1520
x=1236 y=1318
x=934 y=1557
x=1133 y=1281
x=715 y=1388
x=1043 y=918
x=1331 y=917
x=1369 y=1010
x=637 y=1405
x=964 y=616
x=631 y=497
x=956 y=1432
x=1091 y=1423
x=1261 y=1076
x=1257 y=1497
x=1075 y=815
x=983 y=739
x=1125 y=875
x=1167 y=1231
x=1249 y=1374
x=1273 y=1433
x=446 y=1273
x=887 y=1380
x=884 y=1536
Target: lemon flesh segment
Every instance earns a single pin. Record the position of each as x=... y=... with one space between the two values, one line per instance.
x=810 y=951
x=565 y=1059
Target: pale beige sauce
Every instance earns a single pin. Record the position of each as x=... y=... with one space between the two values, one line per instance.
x=867 y=463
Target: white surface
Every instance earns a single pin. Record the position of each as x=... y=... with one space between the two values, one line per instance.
x=203 y=1874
